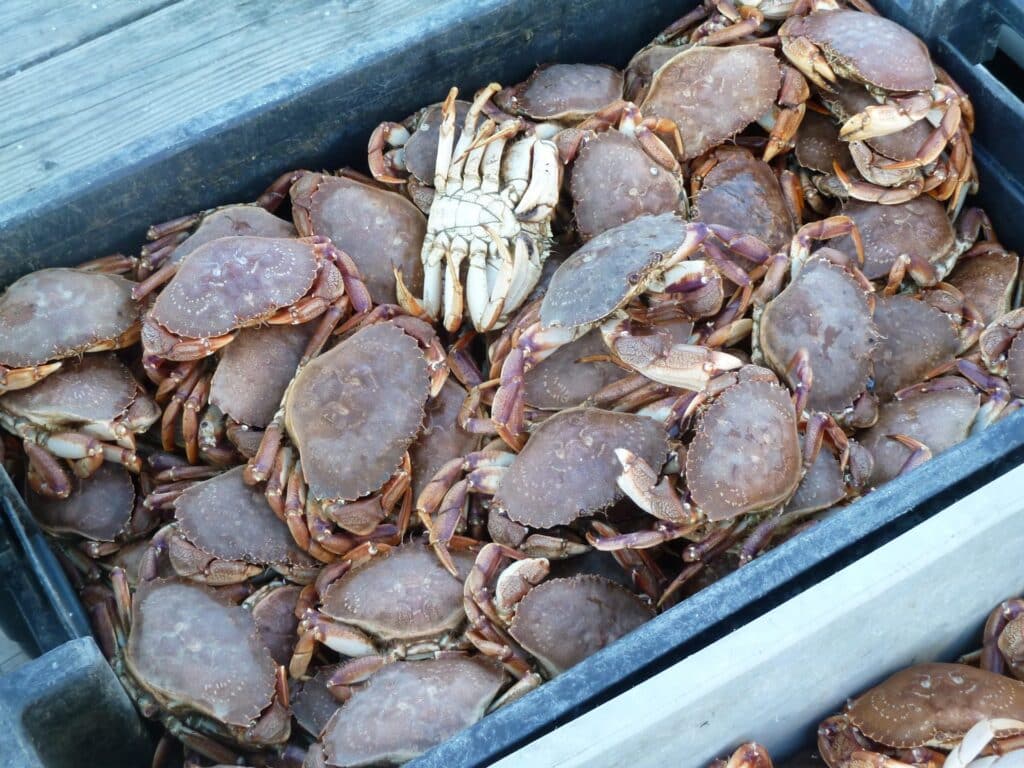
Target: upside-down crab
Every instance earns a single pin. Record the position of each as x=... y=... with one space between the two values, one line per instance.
x=495 y=194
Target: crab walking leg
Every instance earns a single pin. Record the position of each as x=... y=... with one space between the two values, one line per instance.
x=457 y=250
x=541 y=194
x=445 y=142
x=504 y=267
x=46 y=474
x=433 y=258
x=527 y=267
x=659 y=498
x=481 y=254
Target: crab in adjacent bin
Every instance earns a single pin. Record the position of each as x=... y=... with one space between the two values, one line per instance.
x=748 y=755
x=562 y=95
x=381 y=603
x=51 y=315
x=451 y=692
x=565 y=471
x=195 y=661
x=224 y=532
x=918 y=714
x=172 y=241
x=380 y=230
x=495 y=195
x=559 y=622
x=646 y=254
x=622 y=168
x=405 y=154
x=1002 y=349
x=88 y=412
x=100 y=515
x=350 y=416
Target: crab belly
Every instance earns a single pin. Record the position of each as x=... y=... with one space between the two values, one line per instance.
x=483 y=227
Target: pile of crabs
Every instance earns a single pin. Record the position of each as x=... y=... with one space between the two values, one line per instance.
x=934 y=715
x=396 y=448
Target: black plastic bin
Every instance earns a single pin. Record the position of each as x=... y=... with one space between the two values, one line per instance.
x=322 y=120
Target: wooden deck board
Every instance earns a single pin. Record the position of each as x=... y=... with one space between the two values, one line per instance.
x=36 y=30
x=197 y=104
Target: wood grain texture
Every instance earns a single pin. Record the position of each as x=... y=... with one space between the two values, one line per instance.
x=199 y=104
x=776 y=678
x=35 y=30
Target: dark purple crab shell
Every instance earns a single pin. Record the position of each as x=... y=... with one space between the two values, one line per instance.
x=227 y=518
x=379 y=229
x=354 y=411
x=566 y=92
x=866 y=48
x=197 y=652
x=405 y=594
x=99 y=508
x=52 y=314
x=560 y=622
x=919 y=228
x=233 y=221
x=232 y=282
x=608 y=270
x=568 y=467
x=450 y=694
x=713 y=93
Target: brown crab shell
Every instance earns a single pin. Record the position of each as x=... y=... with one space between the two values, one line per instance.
x=614 y=180
x=564 y=380
x=274 y=614
x=195 y=651
x=313 y=704
x=987 y=282
x=271 y=352
x=641 y=68
x=825 y=311
x=745 y=454
x=234 y=221
x=227 y=518
x=919 y=227
x=449 y=694
x=915 y=338
x=818 y=146
x=232 y=282
x=380 y=230
x=93 y=388
x=934 y=704
x=51 y=314
x=867 y=48
x=822 y=486
x=1015 y=365
x=940 y=419
x=560 y=622
x=442 y=439
x=568 y=467
x=713 y=93
x=564 y=92
x=610 y=269
x=404 y=594
x=354 y=411
x=743 y=193
x=99 y=508
x=420 y=150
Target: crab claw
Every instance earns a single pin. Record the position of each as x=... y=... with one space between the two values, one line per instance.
x=687 y=366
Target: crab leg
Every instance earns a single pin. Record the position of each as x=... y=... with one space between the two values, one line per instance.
x=793 y=100
x=640 y=482
x=46 y=475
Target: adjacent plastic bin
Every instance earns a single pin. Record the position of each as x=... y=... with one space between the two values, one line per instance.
x=322 y=121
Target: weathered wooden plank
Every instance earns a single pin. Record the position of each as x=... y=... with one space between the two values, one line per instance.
x=920 y=597
x=35 y=30
x=212 y=100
